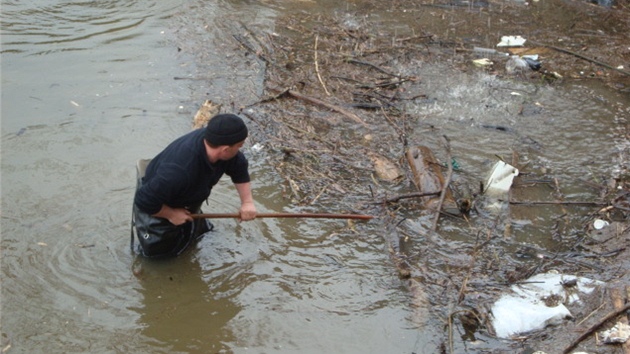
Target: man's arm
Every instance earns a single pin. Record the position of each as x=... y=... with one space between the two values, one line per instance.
x=248 y=209
x=176 y=216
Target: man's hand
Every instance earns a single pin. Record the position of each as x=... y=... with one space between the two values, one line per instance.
x=248 y=211
x=176 y=216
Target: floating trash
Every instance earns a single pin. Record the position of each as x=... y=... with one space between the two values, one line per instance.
x=511 y=41
x=483 y=62
x=488 y=51
x=599 y=224
x=538 y=303
x=530 y=56
x=501 y=178
x=532 y=63
x=516 y=64
x=258 y=147
x=620 y=333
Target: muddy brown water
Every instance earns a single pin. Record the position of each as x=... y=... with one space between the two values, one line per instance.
x=89 y=88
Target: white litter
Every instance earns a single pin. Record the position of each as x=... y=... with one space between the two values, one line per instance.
x=618 y=334
x=258 y=147
x=524 y=309
x=501 y=178
x=516 y=64
x=483 y=62
x=511 y=41
x=531 y=56
x=599 y=224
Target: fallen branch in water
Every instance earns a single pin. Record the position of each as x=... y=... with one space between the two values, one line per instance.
x=354 y=61
x=284 y=215
x=557 y=203
x=247 y=46
x=407 y=196
x=585 y=58
x=330 y=106
x=618 y=301
x=446 y=182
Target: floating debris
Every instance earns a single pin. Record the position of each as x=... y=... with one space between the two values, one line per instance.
x=511 y=41
x=207 y=110
x=618 y=334
x=516 y=64
x=534 y=64
x=486 y=51
x=385 y=169
x=501 y=178
x=483 y=62
x=538 y=302
x=599 y=224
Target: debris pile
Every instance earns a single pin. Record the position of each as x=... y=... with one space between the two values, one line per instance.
x=344 y=139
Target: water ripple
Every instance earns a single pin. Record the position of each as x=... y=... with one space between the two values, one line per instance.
x=77 y=25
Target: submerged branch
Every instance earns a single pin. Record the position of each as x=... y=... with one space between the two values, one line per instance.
x=378 y=68
x=585 y=58
x=446 y=182
x=407 y=196
x=557 y=202
x=330 y=106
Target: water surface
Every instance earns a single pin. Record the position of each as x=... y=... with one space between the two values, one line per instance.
x=90 y=87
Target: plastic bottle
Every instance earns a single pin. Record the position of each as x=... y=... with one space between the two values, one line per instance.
x=489 y=51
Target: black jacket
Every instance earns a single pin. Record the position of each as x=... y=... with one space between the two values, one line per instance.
x=182 y=176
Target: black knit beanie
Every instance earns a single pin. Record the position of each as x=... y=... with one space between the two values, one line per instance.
x=225 y=129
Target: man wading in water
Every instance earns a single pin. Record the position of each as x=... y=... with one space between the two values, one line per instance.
x=180 y=178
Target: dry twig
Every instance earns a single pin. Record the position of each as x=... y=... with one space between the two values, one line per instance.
x=319 y=77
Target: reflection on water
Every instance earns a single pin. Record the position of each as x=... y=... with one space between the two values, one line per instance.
x=178 y=308
x=80 y=85
x=53 y=26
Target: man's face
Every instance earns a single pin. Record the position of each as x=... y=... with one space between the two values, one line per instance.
x=228 y=152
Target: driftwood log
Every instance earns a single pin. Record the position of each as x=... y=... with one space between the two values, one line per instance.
x=428 y=178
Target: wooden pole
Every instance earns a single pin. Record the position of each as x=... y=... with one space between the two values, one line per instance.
x=284 y=215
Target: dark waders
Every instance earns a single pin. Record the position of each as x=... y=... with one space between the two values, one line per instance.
x=157 y=237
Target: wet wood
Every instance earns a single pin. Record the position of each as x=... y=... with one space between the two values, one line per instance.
x=330 y=106
x=384 y=168
x=445 y=189
x=284 y=215
x=428 y=178
x=376 y=67
x=207 y=110
x=407 y=196
x=398 y=245
x=617 y=297
x=557 y=202
x=594 y=61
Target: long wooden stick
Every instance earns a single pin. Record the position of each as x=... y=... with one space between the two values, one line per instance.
x=566 y=51
x=556 y=202
x=446 y=182
x=330 y=106
x=284 y=215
